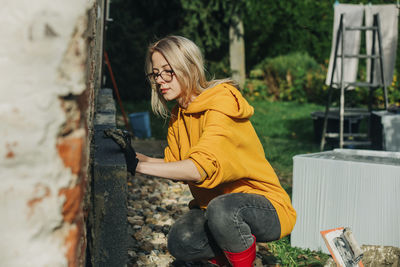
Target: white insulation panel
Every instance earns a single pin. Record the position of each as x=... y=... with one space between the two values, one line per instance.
x=359 y=189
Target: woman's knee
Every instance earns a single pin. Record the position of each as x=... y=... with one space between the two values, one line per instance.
x=187 y=237
x=179 y=242
x=220 y=215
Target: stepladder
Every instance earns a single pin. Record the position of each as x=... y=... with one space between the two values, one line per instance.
x=343 y=113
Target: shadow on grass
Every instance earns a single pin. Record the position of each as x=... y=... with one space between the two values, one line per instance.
x=302 y=128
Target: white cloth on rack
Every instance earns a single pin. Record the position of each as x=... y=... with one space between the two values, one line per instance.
x=353 y=17
x=388 y=16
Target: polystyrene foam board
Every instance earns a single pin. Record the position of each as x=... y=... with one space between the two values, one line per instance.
x=359 y=189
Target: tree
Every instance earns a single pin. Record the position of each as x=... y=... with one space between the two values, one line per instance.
x=271 y=28
x=237 y=50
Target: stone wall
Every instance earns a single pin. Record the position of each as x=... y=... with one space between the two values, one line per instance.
x=50 y=69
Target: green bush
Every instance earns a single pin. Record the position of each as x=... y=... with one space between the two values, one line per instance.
x=293 y=77
x=298 y=77
x=393 y=93
x=359 y=97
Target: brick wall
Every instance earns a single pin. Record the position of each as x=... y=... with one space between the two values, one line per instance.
x=50 y=68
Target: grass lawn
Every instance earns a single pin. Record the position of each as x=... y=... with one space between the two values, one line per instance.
x=285 y=130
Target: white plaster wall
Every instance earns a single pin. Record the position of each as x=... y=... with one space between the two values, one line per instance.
x=42 y=57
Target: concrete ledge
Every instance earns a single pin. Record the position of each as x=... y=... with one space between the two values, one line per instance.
x=109 y=227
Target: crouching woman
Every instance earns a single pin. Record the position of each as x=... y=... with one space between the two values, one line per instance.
x=214 y=149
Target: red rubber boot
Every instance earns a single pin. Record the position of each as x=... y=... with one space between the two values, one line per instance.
x=243 y=259
x=219 y=260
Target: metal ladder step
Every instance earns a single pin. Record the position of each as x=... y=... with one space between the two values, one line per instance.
x=357 y=84
x=336 y=135
x=335 y=112
x=363 y=84
x=357 y=143
x=360 y=56
x=361 y=28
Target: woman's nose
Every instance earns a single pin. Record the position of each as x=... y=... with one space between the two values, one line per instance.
x=159 y=80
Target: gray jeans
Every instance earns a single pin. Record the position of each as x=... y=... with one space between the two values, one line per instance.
x=228 y=225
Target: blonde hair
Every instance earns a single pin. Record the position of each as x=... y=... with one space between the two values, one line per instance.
x=186 y=60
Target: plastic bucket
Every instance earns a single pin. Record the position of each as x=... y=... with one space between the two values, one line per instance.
x=140 y=123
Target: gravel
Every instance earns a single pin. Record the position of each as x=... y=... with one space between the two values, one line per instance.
x=153 y=206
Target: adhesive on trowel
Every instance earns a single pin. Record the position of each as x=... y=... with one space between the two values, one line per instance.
x=343 y=247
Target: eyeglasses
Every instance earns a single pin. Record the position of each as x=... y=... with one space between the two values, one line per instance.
x=166 y=75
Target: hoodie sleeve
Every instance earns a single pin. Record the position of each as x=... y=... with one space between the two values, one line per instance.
x=215 y=151
x=171 y=152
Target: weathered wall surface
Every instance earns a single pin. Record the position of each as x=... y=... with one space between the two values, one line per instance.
x=108 y=244
x=49 y=71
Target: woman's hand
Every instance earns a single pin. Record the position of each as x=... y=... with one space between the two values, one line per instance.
x=144 y=158
x=123 y=139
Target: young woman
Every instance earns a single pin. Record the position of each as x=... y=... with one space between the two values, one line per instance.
x=212 y=146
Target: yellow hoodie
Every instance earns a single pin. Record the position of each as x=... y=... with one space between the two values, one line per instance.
x=216 y=134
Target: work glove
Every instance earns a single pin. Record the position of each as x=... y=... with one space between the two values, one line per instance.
x=123 y=139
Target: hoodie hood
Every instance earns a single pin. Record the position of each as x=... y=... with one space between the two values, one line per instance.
x=224 y=98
